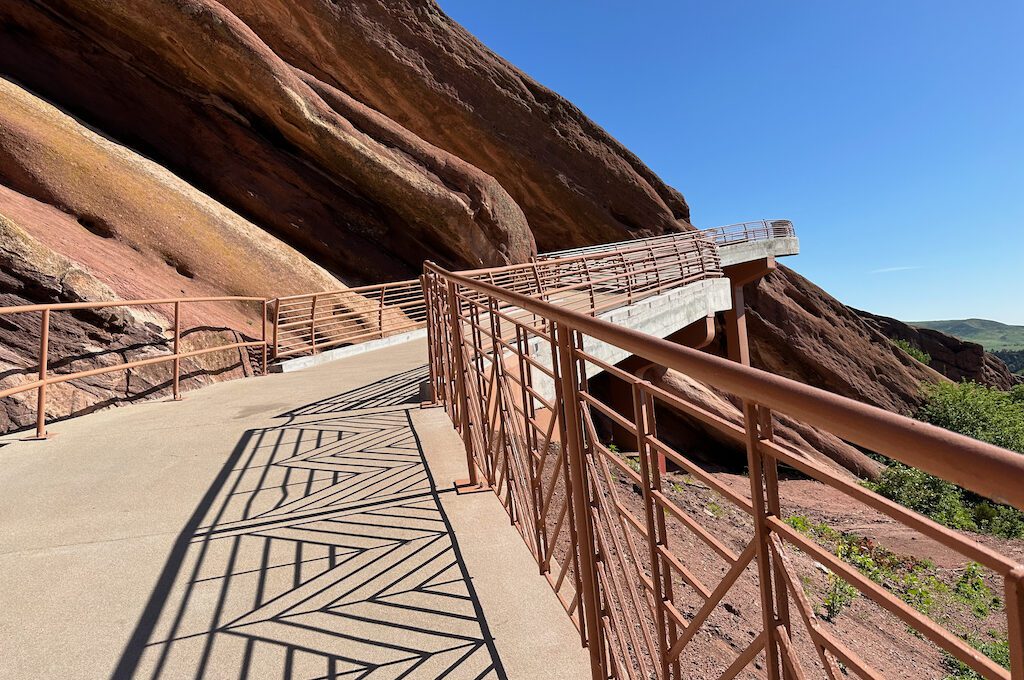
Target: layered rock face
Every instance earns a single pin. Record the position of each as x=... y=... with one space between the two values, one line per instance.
x=799 y=331
x=408 y=60
x=196 y=147
x=952 y=357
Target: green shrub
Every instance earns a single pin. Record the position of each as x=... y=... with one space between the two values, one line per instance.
x=838 y=596
x=915 y=352
x=977 y=411
x=971 y=589
x=997 y=648
x=947 y=503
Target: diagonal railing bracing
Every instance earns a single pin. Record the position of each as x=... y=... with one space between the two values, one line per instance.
x=638 y=571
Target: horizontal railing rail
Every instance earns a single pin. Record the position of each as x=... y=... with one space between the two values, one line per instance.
x=595 y=283
x=590 y=283
x=608 y=535
x=727 y=235
x=314 y=322
x=46 y=378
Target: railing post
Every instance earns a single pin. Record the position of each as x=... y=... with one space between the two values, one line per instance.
x=312 y=323
x=461 y=377
x=265 y=311
x=277 y=322
x=657 y=535
x=428 y=308
x=736 y=328
x=570 y=404
x=764 y=569
x=654 y=264
x=1014 y=587
x=536 y=280
x=176 y=389
x=44 y=350
x=380 y=312
x=627 y=270
x=773 y=506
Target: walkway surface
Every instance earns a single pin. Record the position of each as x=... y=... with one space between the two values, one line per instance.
x=296 y=526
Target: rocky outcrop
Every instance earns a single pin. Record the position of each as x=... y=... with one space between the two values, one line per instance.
x=408 y=60
x=165 y=148
x=799 y=331
x=188 y=83
x=30 y=272
x=954 y=358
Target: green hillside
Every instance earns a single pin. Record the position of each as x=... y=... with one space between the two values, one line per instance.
x=991 y=335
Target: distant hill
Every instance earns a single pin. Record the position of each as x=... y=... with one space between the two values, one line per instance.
x=991 y=335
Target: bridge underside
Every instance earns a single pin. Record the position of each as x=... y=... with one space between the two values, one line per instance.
x=298 y=527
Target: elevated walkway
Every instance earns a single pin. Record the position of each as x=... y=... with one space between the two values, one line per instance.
x=291 y=526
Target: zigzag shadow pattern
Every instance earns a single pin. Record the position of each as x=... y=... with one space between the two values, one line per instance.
x=395 y=390
x=324 y=553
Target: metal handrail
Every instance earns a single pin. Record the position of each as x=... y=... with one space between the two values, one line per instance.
x=489 y=384
x=727 y=235
x=314 y=322
x=595 y=282
x=46 y=378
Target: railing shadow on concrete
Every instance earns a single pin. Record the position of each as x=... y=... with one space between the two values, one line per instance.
x=641 y=574
x=396 y=390
x=320 y=550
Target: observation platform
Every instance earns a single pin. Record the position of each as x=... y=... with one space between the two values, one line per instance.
x=298 y=525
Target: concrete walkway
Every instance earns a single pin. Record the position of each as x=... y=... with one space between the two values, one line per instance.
x=297 y=526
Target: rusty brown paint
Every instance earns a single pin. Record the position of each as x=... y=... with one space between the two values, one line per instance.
x=607 y=598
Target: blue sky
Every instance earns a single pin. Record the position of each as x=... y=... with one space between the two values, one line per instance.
x=891 y=133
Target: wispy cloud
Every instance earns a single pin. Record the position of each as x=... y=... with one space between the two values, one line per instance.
x=887 y=270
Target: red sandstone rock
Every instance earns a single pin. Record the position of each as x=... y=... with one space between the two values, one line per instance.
x=952 y=357
x=360 y=138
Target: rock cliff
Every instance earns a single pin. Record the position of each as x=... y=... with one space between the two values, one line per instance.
x=952 y=357
x=196 y=147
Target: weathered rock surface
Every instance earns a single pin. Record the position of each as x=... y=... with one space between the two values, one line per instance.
x=30 y=272
x=799 y=331
x=952 y=357
x=272 y=146
x=189 y=84
x=408 y=60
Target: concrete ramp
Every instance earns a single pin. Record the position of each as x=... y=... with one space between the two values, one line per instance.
x=293 y=526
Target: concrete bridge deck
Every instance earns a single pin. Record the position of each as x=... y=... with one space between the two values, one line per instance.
x=298 y=525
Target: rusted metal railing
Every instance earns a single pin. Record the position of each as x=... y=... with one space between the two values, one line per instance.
x=314 y=322
x=46 y=378
x=510 y=368
x=591 y=284
x=594 y=283
x=727 y=235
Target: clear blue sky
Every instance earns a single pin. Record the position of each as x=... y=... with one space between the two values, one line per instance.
x=891 y=133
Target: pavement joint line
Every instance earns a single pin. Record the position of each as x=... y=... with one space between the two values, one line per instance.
x=57 y=546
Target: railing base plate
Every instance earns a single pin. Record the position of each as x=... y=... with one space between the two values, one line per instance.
x=40 y=438
x=464 y=486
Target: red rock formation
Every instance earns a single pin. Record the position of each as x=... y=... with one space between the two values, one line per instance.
x=799 y=331
x=252 y=132
x=240 y=146
x=408 y=60
x=952 y=357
